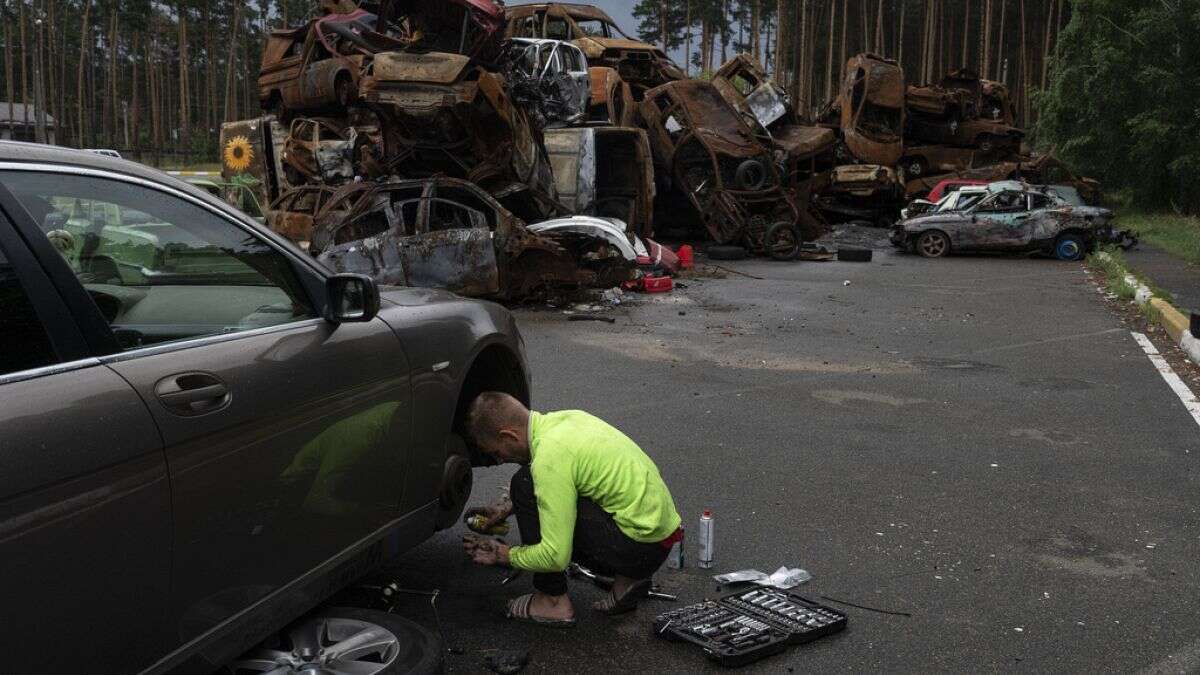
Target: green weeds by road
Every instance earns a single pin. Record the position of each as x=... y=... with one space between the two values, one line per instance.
x=1112 y=266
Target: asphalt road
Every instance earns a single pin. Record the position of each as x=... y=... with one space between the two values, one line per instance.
x=977 y=442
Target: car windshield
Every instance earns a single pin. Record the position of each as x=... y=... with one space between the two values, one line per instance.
x=597 y=28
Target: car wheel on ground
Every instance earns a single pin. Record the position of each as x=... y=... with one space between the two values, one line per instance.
x=1070 y=247
x=933 y=244
x=782 y=241
x=346 y=640
x=724 y=252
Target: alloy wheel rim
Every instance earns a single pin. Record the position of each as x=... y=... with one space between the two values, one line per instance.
x=327 y=646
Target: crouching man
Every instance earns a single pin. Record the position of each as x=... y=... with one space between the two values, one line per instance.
x=585 y=492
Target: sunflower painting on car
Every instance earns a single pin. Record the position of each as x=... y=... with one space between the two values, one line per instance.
x=251 y=156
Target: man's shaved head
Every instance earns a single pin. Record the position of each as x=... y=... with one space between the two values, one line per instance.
x=498 y=425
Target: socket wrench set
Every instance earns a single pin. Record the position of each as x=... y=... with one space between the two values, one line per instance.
x=748 y=625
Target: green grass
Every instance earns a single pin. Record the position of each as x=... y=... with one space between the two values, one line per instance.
x=1178 y=235
x=1113 y=268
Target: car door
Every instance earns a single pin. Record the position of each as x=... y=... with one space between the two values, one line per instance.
x=85 y=515
x=575 y=65
x=285 y=434
x=995 y=223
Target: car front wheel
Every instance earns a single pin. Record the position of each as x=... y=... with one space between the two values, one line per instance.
x=1070 y=247
x=933 y=244
x=346 y=641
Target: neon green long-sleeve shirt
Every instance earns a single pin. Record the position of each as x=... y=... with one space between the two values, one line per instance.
x=573 y=455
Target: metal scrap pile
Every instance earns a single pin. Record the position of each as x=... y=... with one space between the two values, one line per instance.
x=962 y=127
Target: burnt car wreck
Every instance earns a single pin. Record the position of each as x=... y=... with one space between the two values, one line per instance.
x=449 y=233
x=1012 y=218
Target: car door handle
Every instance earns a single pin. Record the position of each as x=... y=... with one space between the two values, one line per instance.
x=192 y=393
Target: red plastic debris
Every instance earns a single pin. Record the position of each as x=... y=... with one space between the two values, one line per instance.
x=687 y=257
x=657 y=284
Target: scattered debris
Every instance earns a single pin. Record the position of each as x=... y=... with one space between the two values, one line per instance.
x=507 y=661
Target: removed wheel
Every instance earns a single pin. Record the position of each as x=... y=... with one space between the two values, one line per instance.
x=933 y=244
x=782 y=241
x=1070 y=247
x=349 y=641
x=722 y=252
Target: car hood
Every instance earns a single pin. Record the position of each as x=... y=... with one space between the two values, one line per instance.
x=602 y=43
x=410 y=297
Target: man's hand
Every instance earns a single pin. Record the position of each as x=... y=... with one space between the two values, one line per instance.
x=485 y=551
x=493 y=515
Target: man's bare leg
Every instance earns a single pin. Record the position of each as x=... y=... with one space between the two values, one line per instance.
x=551 y=606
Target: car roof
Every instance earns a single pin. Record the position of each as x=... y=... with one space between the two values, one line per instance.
x=36 y=153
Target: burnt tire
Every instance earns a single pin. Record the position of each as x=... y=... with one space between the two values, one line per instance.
x=751 y=175
x=933 y=244
x=1070 y=247
x=723 y=252
x=397 y=646
x=782 y=241
x=914 y=167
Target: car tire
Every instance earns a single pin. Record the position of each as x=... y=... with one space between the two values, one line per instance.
x=751 y=175
x=1070 y=247
x=933 y=244
x=914 y=167
x=408 y=647
x=723 y=252
x=782 y=241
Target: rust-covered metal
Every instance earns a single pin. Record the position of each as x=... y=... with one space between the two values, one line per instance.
x=872 y=109
x=1039 y=170
x=805 y=149
x=956 y=113
x=293 y=213
x=449 y=233
x=300 y=74
x=443 y=114
x=611 y=100
x=607 y=172
x=865 y=192
x=643 y=66
x=718 y=164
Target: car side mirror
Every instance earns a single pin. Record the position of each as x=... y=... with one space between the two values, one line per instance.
x=353 y=298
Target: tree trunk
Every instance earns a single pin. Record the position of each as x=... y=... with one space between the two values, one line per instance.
x=782 y=36
x=966 y=35
x=662 y=22
x=985 y=44
x=79 y=82
x=900 y=49
x=1024 y=93
x=1046 y=43
x=134 y=102
x=24 y=68
x=1001 y=62
x=829 y=86
x=845 y=24
x=879 y=36
x=755 y=9
x=230 y=65
x=185 y=122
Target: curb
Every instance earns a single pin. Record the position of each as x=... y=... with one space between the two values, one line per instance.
x=1164 y=314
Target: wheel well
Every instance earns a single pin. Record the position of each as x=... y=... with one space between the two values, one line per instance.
x=496 y=368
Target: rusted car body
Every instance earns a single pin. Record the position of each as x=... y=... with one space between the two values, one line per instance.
x=642 y=65
x=293 y=213
x=607 y=172
x=806 y=149
x=300 y=73
x=468 y=27
x=1011 y=218
x=927 y=160
x=319 y=150
x=448 y=233
x=443 y=114
x=1040 y=170
x=864 y=192
x=872 y=109
x=954 y=112
x=611 y=99
x=716 y=161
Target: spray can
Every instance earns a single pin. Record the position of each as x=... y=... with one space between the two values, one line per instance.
x=707 y=543
x=675 y=557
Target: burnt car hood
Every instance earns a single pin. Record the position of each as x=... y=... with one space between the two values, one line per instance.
x=803 y=142
x=603 y=43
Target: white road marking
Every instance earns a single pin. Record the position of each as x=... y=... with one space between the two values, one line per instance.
x=1177 y=385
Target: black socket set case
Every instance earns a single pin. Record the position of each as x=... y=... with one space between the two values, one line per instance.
x=748 y=625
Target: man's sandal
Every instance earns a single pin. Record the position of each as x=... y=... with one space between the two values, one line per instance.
x=612 y=605
x=518 y=610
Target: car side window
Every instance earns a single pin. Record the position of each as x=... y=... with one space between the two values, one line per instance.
x=1005 y=202
x=160 y=268
x=556 y=29
x=24 y=344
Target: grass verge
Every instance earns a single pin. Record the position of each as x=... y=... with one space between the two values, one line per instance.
x=1178 y=235
x=1112 y=266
